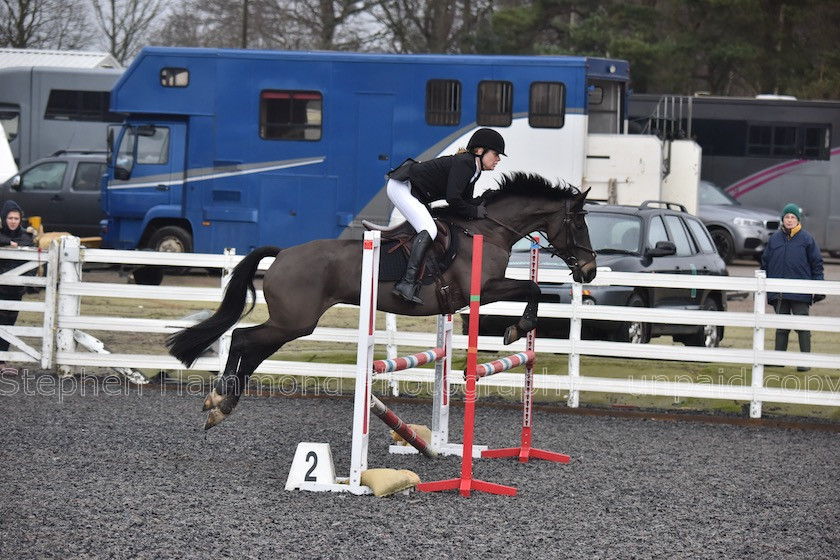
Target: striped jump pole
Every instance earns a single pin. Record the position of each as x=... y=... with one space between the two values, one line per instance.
x=504 y=364
x=466 y=482
x=404 y=430
x=399 y=364
x=442 y=356
x=525 y=451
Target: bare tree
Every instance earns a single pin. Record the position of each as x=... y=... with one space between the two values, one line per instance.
x=272 y=24
x=44 y=24
x=330 y=24
x=126 y=24
x=439 y=26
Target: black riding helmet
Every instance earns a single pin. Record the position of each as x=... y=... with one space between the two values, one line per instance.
x=488 y=139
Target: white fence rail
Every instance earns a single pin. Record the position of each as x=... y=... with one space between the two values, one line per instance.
x=62 y=333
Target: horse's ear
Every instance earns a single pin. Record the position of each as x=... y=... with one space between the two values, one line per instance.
x=582 y=195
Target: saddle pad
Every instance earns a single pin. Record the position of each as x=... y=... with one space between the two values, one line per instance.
x=392 y=264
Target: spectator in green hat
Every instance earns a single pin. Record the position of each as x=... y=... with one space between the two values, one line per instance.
x=792 y=252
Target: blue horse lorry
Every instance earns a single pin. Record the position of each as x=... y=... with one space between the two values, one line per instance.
x=240 y=148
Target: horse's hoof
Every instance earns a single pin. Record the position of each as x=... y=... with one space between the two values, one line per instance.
x=215 y=417
x=511 y=334
x=212 y=400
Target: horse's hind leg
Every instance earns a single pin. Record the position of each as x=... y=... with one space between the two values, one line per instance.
x=248 y=348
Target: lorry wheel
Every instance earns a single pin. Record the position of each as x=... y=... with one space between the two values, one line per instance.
x=171 y=239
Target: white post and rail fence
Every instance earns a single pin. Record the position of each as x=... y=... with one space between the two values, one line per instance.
x=63 y=343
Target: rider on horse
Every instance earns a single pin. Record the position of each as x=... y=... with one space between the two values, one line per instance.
x=414 y=185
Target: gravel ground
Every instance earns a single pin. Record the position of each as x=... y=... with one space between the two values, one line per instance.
x=114 y=472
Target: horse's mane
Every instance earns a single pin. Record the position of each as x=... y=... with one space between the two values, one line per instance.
x=529 y=185
x=519 y=183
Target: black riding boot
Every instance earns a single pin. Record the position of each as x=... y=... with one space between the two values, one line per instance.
x=804 y=346
x=408 y=287
x=782 y=340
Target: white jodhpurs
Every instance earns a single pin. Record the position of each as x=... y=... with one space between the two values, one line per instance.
x=415 y=212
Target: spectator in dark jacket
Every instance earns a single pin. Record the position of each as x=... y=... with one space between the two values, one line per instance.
x=792 y=252
x=12 y=234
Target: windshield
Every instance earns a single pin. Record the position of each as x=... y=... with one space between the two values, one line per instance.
x=609 y=233
x=614 y=233
x=709 y=193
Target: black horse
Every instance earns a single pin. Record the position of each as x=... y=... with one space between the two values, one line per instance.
x=306 y=280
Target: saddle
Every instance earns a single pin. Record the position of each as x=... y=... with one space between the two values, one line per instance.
x=396 y=247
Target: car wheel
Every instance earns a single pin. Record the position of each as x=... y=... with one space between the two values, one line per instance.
x=724 y=243
x=709 y=335
x=635 y=332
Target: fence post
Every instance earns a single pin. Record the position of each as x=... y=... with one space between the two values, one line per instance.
x=50 y=304
x=759 y=303
x=70 y=270
x=391 y=350
x=574 y=339
x=224 y=340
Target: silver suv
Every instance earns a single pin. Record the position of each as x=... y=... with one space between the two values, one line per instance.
x=738 y=230
x=64 y=189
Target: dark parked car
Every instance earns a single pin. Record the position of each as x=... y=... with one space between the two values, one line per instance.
x=64 y=189
x=737 y=230
x=654 y=237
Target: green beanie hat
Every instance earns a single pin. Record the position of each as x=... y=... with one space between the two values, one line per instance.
x=792 y=209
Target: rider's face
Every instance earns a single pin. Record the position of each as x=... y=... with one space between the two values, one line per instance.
x=489 y=160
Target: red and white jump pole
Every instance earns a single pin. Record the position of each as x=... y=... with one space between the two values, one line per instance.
x=525 y=451
x=466 y=483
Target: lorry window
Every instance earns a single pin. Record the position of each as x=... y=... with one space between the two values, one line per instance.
x=443 y=102
x=75 y=105
x=547 y=105
x=45 y=177
x=495 y=103
x=88 y=176
x=11 y=123
x=174 y=77
x=153 y=146
x=291 y=115
x=125 y=153
x=815 y=142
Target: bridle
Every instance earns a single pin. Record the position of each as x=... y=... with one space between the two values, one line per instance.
x=568 y=254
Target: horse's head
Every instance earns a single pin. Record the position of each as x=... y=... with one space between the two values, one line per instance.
x=570 y=237
x=531 y=202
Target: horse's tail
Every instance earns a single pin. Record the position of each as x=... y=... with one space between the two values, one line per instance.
x=188 y=344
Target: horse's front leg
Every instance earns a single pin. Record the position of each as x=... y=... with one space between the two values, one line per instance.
x=514 y=290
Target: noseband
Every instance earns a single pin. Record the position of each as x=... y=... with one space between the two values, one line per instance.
x=572 y=244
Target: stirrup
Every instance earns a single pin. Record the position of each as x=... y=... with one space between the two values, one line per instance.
x=407 y=291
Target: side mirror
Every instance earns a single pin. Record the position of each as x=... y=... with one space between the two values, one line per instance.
x=15 y=183
x=122 y=173
x=663 y=249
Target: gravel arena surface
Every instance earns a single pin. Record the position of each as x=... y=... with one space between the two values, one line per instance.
x=115 y=471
